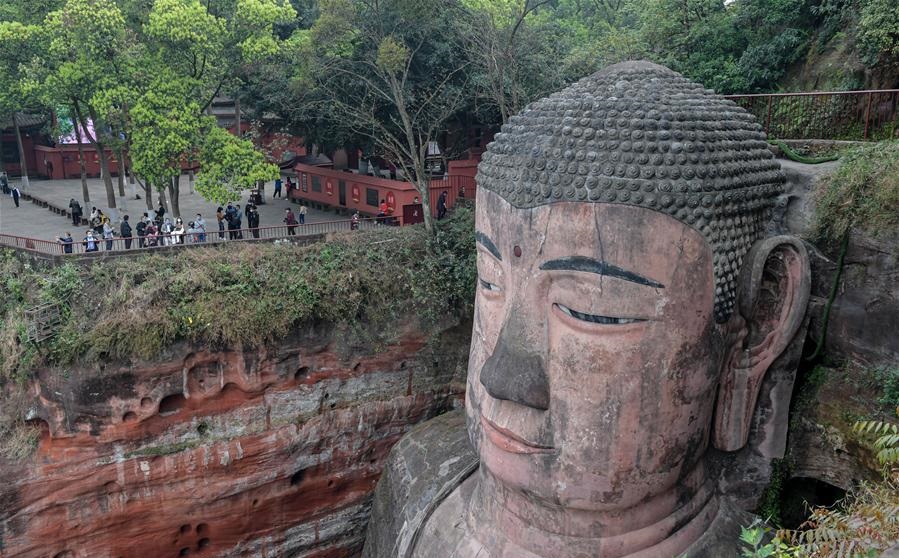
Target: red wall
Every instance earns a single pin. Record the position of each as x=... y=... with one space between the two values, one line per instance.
x=397 y=193
x=65 y=161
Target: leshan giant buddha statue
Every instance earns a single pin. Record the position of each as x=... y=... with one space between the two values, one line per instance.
x=631 y=309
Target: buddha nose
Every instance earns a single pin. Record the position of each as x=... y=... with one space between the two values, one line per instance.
x=515 y=373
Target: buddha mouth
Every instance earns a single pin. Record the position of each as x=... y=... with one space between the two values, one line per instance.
x=510 y=442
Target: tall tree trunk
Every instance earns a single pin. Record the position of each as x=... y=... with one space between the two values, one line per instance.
x=121 y=171
x=85 y=193
x=237 y=116
x=107 y=178
x=163 y=202
x=22 y=162
x=174 y=187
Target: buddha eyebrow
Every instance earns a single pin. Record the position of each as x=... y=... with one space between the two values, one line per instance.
x=589 y=265
x=488 y=244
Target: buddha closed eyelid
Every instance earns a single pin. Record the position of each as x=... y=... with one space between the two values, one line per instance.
x=601 y=268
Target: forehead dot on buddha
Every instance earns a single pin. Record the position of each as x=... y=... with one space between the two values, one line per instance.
x=637 y=133
x=517 y=251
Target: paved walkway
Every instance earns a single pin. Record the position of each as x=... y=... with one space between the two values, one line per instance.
x=36 y=222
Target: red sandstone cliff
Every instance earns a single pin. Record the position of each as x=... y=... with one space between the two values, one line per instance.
x=199 y=453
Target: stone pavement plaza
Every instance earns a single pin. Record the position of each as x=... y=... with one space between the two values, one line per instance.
x=33 y=221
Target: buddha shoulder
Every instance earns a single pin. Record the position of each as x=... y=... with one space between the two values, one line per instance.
x=423 y=468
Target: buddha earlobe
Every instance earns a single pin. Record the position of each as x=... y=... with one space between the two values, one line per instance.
x=772 y=297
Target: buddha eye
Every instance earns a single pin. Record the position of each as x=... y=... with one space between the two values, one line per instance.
x=487 y=286
x=606 y=320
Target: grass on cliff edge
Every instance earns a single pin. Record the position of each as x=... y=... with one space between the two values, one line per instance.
x=241 y=295
x=862 y=192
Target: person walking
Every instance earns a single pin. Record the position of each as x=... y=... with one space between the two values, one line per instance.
x=66 y=242
x=75 y=207
x=125 y=231
x=231 y=215
x=200 y=226
x=441 y=205
x=238 y=223
x=354 y=222
x=142 y=231
x=4 y=182
x=277 y=193
x=15 y=195
x=302 y=213
x=160 y=215
x=90 y=242
x=108 y=234
x=291 y=221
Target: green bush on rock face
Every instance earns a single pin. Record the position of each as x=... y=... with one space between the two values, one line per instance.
x=243 y=295
x=863 y=191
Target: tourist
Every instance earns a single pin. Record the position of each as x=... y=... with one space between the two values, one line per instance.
x=302 y=213
x=142 y=231
x=108 y=234
x=160 y=214
x=238 y=218
x=382 y=211
x=277 y=193
x=125 y=231
x=166 y=231
x=354 y=222
x=192 y=233
x=178 y=232
x=288 y=187
x=291 y=221
x=231 y=215
x=200 y=226
x=253 y=219
x=220 y=218
x=15 y=195
x=76 y=211
x=66 y=242
x=4 y=182
x=441 y=205
x=152 y=234
x=90 y=242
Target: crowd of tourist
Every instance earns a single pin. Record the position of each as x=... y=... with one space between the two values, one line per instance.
x=160 y=230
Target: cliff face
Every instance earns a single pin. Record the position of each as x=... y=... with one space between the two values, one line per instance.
x=229 y=453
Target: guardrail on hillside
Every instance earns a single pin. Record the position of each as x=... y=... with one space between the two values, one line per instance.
x=834 y=115
x=135 y=244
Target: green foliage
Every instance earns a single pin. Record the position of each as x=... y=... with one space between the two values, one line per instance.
x=878 y=28
x=769 y=506
x=886 y=443
x=758 y=542
x=888 y=378
x=230 y=164
x=863 y=191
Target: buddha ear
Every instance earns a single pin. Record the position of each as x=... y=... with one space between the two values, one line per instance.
x=772 y=296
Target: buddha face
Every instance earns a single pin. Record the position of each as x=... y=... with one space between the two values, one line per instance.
x=595 y=355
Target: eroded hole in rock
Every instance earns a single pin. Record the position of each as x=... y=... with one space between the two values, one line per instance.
x=185 y=529
x=203 y=543
x=184 y=552
x=301 y=373
x=403 y=365
x=203 y=428
x=64 y=554
x=171 y=404
x=146 y=403
x=331 y=482
x=202 y=529
x=357 y=366
x=255 y=502
x=231 y=389
x=297 y=477
x=801 y=494
x=129 y=417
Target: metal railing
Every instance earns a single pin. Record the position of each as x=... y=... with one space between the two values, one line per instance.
x=81 y=245
x=834 y=115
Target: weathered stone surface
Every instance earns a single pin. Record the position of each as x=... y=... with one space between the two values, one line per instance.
x=863 y=317
x=232 y=453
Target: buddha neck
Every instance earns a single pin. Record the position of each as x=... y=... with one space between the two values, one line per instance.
x=508 y=522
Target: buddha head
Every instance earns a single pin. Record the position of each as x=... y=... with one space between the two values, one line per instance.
x=629 y=302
